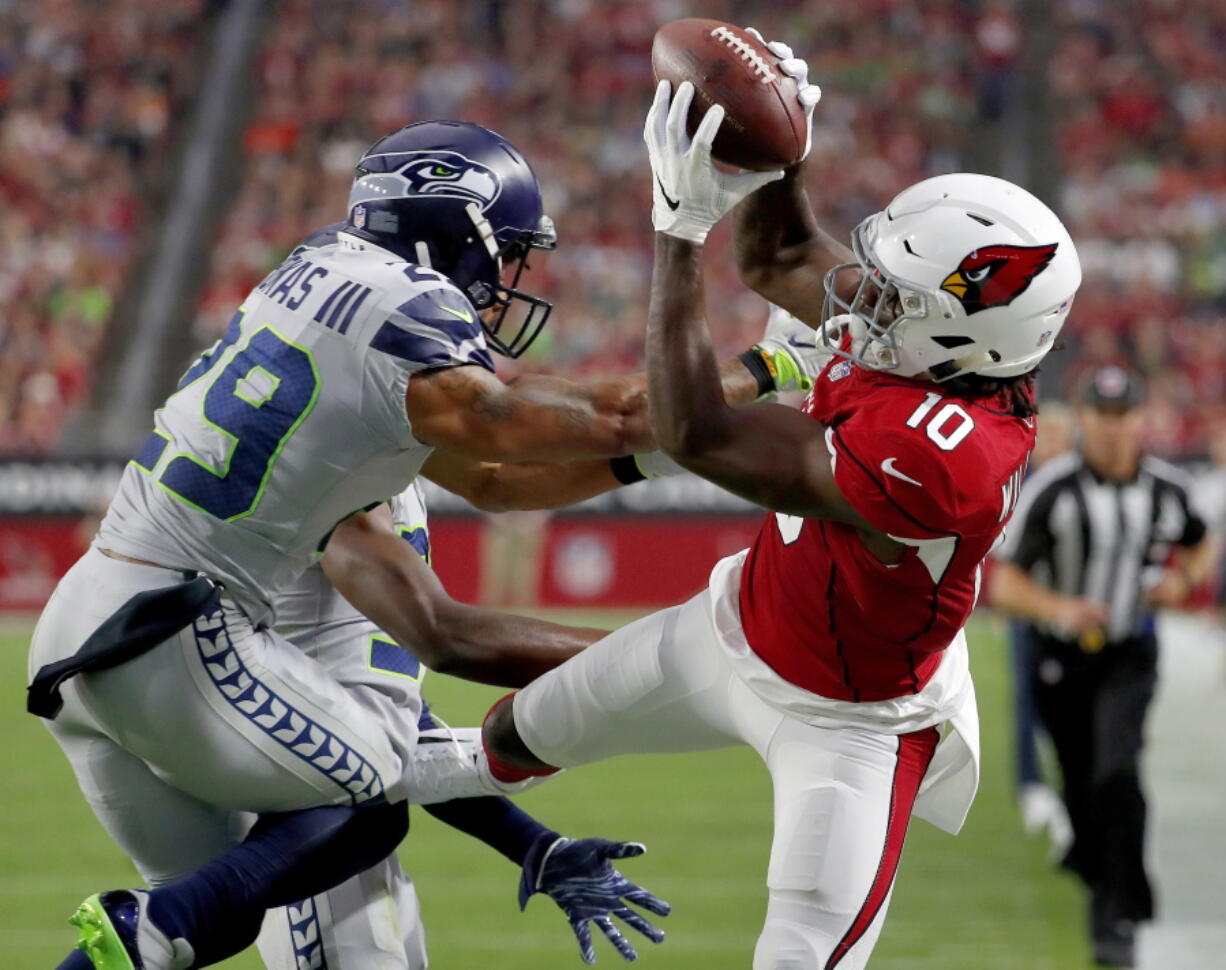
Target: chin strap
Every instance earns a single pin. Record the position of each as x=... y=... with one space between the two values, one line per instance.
x=949 y=369
x=485 y=232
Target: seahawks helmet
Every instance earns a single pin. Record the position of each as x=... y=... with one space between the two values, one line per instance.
x=458 y=198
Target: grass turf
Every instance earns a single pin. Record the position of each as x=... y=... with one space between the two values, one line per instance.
x=985 y=900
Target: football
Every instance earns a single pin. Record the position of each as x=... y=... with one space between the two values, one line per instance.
x=764 y=125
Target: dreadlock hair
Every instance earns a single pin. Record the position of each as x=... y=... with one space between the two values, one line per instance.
x=1019 y=390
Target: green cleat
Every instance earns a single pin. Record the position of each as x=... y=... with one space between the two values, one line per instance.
x=99 y=937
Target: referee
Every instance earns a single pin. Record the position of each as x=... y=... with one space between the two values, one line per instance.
x=1100 y=539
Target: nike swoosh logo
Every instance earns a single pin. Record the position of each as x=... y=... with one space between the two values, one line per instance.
x=801 y=343
x=464 y=315
x=671 y=203
x=887 y=466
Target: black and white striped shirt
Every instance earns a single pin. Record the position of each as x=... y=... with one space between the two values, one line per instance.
x=1081 y=535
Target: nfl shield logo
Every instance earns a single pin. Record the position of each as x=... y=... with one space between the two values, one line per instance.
x=359 y=216
x=839 y=370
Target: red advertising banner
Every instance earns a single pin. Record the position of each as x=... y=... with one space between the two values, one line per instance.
x=578 y=561
x=516 y=559
x=34 y=553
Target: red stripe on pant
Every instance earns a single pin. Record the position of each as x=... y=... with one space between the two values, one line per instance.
x=914 y=755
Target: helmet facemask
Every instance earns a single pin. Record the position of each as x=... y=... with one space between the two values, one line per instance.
x=884 y=306
x=513 y=258
x=959 y=274
x=881 y=303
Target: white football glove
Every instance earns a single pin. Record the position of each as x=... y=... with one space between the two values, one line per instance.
x=792 y=350
x=798 y=69
x=689 y=194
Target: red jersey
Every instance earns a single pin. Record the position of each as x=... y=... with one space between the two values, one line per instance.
x=936 y=472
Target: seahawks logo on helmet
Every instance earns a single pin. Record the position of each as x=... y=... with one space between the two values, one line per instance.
x=435 y=174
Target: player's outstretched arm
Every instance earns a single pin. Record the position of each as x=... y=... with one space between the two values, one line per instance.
x=384 y=578
x=469 y=411
x=577 y=874
x=502 y=486
x=1014 y=591
x=772 y=455
x=781 y=251
x=783 y=254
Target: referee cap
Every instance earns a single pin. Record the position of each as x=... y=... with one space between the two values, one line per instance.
x=1113 y=388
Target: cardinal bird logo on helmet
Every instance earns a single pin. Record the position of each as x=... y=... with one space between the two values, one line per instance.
x=996 y=275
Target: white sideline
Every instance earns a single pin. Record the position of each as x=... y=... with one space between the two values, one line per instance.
x=1185 y=775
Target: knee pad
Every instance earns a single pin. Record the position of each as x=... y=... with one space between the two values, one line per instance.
x=788 y=945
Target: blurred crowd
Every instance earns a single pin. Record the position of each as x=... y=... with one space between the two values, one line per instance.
x=1138 y=92
x=1136 y=109
x=87 y=91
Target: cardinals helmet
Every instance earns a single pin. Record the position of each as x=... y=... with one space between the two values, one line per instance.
x=458 y=198
x=961 y=274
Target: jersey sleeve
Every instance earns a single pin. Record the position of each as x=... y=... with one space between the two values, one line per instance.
x=1194 y=530
x=409 y=518
x=436 y=327
x=428 y=327
x=1187 y=524
x=895 y=478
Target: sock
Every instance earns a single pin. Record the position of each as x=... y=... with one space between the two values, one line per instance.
x=497 y=822
x=284 y=859
x=509 y=773
x=504 y=771
x=76 y=960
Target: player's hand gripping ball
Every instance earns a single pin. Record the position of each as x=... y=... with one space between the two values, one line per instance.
x=689 y=194
x=762 y=87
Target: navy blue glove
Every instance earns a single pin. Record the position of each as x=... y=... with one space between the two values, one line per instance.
x=576 y=874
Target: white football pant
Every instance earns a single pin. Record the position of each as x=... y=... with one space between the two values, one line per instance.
x=369 y=922
x=176 y=750
x=843 y=796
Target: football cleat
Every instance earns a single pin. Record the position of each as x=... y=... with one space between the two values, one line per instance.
x=450 y=763
x=117 y=933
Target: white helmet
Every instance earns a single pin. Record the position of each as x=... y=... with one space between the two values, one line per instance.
x=962 y=274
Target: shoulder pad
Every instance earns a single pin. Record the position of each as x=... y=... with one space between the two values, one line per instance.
x=436 y=326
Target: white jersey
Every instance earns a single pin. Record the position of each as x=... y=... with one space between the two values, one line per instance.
x=313 y=616
x=293 y=420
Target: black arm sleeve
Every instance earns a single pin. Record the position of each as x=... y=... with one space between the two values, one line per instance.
x=498 y=822
x=1194 y=527
x=1029 y=539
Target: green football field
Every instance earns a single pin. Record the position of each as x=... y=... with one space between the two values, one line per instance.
x=984 y=900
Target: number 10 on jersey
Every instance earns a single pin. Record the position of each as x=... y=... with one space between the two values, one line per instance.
x=938 y=428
